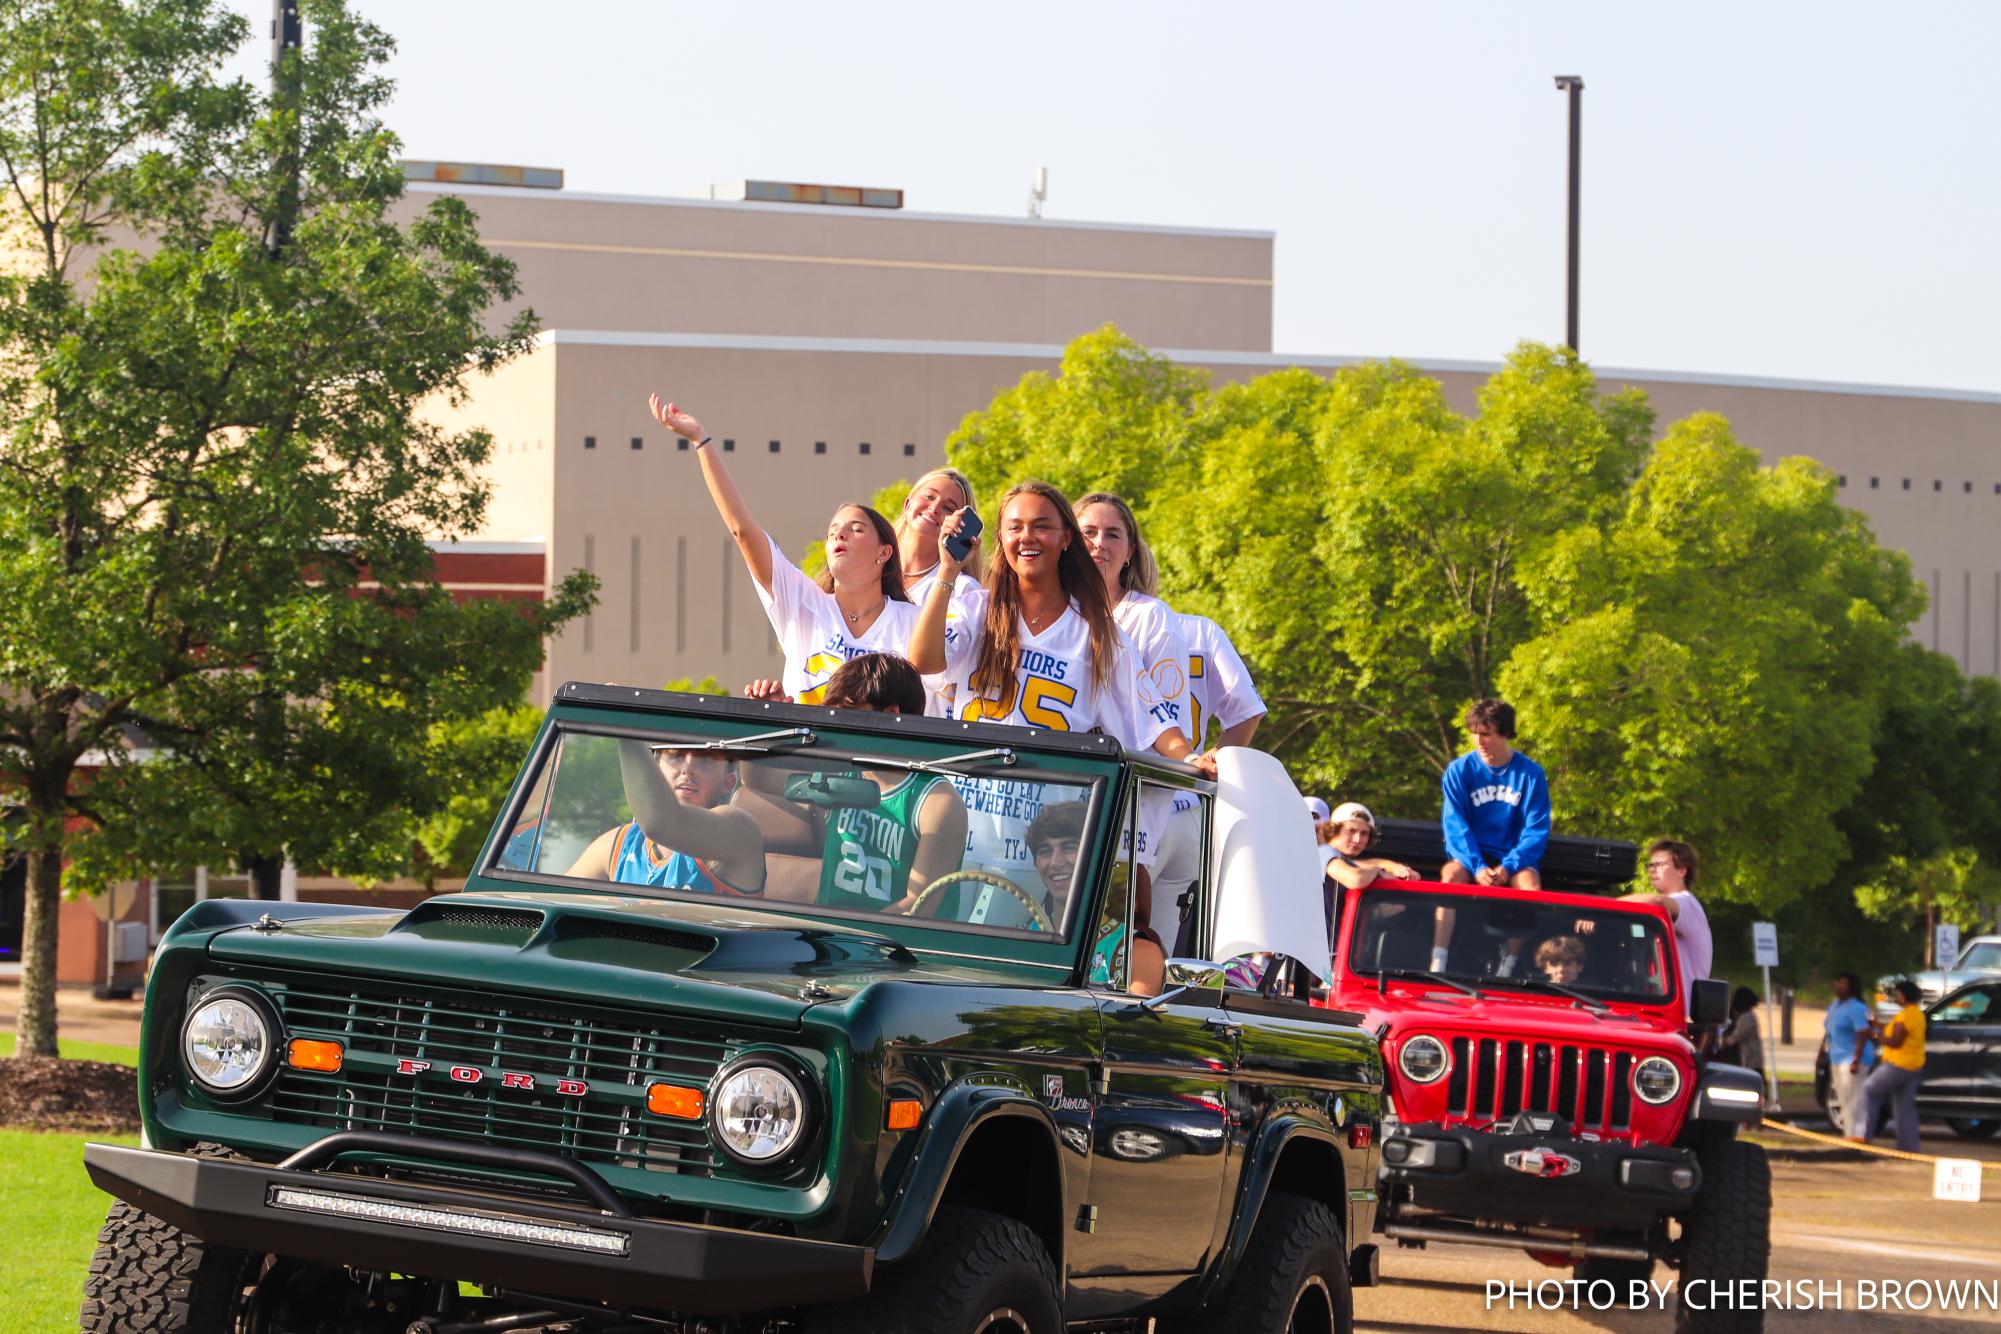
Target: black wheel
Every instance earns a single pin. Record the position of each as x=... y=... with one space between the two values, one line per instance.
x=1727 y=1237
x=1967 y=1127
x=1294 y=1275
x=976 y=1273
x=1621 y=1274
x=150 y=1278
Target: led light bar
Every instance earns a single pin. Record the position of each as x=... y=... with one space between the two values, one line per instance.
x=1735 y=1095
x=450 y=1220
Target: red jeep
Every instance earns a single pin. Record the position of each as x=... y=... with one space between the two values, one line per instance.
x=1547 y=1095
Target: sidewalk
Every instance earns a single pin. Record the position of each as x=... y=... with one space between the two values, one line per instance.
x=80 y=1016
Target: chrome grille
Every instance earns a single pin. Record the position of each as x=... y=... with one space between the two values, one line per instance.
x=615 y=1058
x=1492 y=1079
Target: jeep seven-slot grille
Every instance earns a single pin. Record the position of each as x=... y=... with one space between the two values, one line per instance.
x=457 y=1035
x=1591 y=1087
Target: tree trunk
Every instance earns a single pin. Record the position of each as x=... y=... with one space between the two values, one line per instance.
x=264 y=874
x=38 y=953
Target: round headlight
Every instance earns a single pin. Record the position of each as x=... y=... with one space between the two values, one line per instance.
x=228 y=1043
x=758 y=1113
x=1656 y=1080
x=1422 y=1058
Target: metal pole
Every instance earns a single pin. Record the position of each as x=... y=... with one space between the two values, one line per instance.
x=288 y=34
x=1574 y=85
x=1771 y=1070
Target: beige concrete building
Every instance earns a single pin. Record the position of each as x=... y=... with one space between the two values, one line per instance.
x=830 y=350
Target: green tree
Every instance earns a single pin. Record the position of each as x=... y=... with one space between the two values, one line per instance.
x=472 y=763
x=1115 y=417
x=1956 y=886
x=218 y=486
x=1713 y=662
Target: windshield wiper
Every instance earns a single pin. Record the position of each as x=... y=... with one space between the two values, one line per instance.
x=1591 y=1003
x=1428 y=976
x=761 y=743
x=997 y=755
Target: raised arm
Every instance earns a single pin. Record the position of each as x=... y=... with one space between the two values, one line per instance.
x=750 y=538
x=725 y=834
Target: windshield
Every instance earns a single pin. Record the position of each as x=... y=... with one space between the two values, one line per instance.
x=1520 y=944
x=948 y=837
x=1987 y=954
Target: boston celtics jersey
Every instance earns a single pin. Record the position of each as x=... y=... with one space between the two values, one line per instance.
x=866 y=860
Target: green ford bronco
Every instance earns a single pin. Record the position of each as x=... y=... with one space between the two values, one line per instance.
x=811 y=1082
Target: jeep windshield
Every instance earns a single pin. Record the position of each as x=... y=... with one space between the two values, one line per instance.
x=943 y=835
x=1514 y=944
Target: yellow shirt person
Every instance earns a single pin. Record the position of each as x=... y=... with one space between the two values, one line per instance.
x=1910 y=1053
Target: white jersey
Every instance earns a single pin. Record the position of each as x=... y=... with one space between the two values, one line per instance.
x=966 y=593
x=1177 y=865
x=1219 y=685
x=1053 y=686
x=1160 y=661
x=815 y=634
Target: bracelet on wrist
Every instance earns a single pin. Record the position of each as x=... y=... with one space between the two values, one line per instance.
x=703 y=441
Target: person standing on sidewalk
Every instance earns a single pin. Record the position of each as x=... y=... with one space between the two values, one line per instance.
x=1850 y=1053
x=1896 y=1077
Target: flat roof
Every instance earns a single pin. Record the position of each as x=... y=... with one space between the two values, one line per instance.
x=1271 y=360
x=884 y=215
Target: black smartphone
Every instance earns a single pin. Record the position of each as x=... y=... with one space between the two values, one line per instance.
x=961 y=542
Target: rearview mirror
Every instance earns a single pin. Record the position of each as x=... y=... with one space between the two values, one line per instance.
x=839 y=792
x=1708 y=1001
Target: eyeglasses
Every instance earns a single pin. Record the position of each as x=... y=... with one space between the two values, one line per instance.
x=1660 y=866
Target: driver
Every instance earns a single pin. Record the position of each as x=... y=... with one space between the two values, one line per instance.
x=877 y=859
x=684 y=834
x=1561 y=959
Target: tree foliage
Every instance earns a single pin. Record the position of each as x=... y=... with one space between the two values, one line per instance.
x=218 y=485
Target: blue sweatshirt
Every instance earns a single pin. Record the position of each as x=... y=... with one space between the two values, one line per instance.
x=1495 y=815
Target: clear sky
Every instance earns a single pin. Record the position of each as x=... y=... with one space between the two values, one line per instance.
x=1806 y=190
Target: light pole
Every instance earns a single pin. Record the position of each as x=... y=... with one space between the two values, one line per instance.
x=1574 y=85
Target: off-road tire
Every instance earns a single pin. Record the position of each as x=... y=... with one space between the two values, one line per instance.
x=1621 y=1274
x=976 y=1273
x=1297 y=1243
x=1968 y=1127
x=1727 y=1236
x=149 y=1277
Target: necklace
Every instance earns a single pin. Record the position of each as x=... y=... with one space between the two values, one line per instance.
x=854 y=617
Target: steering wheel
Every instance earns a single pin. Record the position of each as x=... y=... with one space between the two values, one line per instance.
x=984 y=878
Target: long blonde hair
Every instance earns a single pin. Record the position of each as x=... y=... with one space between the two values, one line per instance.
x=974 y=558
x=995 y=669
x=1139 y=574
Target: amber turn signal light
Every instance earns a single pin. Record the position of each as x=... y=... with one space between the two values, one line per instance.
x=683 y=1104
x=904 y=1114
x=308 y=1054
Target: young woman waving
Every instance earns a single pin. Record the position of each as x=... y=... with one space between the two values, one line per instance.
x=859 y=604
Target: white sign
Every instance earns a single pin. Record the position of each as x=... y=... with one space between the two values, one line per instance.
x=1945 y=944
x=1957 y=1179
x=1765 y=944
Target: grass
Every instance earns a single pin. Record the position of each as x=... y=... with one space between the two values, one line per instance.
x=53 y=1213
x=87 y=1051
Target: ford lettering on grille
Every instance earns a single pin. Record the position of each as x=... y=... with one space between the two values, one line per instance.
x=509 y=1079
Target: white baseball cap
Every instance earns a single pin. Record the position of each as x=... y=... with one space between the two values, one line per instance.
x=1318 y=807
x=1353 y=810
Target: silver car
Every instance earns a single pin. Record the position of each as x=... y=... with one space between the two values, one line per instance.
x=1979 y=958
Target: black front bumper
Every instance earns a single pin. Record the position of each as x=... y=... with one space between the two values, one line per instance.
x=1465 y=1173
x=440 y=1232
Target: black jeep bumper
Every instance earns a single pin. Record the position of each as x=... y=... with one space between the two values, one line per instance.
x=1477 y=1174
x=582 y=1253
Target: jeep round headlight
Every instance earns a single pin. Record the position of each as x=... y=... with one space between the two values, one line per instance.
x=1656 y=1080
x=758 y=1113
x=228 y=1043
x=1422 y=1058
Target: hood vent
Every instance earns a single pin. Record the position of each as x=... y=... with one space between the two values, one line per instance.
x=601 y=928
x=469 y=922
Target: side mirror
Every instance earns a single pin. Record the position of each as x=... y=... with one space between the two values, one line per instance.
x=1194 y=974
x=1708 y=1001
x=840 y=792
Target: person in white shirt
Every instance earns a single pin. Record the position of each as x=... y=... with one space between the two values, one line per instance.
x=859 y=605
x=1671 y=867
x=934 y=498
x=1219 y=685
x=1112 y=536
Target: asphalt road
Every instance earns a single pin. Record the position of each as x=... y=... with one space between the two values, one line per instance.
x=1835 y=1222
